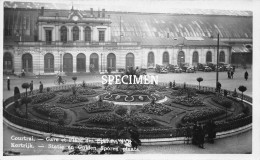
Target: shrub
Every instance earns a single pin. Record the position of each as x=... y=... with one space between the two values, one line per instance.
x=72 y=99
x=246 y=110
x=223 y=101
x=74 y=79
x=141 y=120
x=156 y=109
x=192 y=102
x=20 y=113
x=48 y=89
x=99 y=107
x=106 y=118
x=17 y=104
x=122 y=111
x=202 y=114
x=49 y=110
x=226 y=103
x=17 y=93
x=42 y=97
x=26 y=100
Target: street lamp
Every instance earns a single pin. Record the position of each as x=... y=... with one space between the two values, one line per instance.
x=101 y=62
x=217 y=63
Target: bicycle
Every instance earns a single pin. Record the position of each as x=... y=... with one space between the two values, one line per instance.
x=56 y=81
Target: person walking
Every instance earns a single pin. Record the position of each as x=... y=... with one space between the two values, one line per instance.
x=8 y=83
x=31 y=86
x=201 y=136
x=246 y=75
x=218 y=87
x=228 y=74
x=41 y=87
x=232 y=73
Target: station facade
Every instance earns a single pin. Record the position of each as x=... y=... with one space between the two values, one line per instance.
x=72 y=41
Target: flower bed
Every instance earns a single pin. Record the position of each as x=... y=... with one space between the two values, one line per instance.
x=86 y=91
x=141 y=120
x=105 y=118
x=72 y=99
x=156 y=109
x=222 y=100
x=49 y=110
x=99 y=107
x=191 y=102
x=42 y=97
x=202 y=114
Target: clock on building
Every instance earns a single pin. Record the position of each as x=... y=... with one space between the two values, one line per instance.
x=75 y=18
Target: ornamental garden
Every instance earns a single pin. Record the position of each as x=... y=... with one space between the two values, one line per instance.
x=157 y=111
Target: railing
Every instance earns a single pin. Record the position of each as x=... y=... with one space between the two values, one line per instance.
x=110 y=133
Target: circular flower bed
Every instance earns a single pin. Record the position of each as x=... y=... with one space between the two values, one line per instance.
x=156 y=109
x=71 y=99
x=191 y=102
x=42 y=97
x=202 y=114
x=99 y=107
x=49 y=110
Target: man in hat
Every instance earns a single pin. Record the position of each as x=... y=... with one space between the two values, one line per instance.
x=8 y=83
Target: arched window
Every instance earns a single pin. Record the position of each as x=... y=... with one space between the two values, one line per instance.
x=130 y=60
x=27 y=62
x=208 y=57
x=75 y=32
x=150 y=60
x=165 y=58
x=94 y=62
x=8 y=61
x=222 y=56
x=195 y=58
x=181 y=58
x=87 y=34
x=81 y=62
x=48 y=63
x=111 y=61
x=63 y=34
x=67 y=63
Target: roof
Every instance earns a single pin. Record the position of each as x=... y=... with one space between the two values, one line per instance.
x=240 y=49
x=141 y=27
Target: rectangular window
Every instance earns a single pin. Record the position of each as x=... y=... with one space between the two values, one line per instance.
x=101 y=36
x=48 y=36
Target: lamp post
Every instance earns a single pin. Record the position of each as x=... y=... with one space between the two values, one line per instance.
x=217 y=63
x=101 y=62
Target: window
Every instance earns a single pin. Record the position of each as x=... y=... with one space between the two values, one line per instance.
x=75 y=32
x=195 y=58
x=88 y=34
x=101 y=36
x=63 y=34
x=150 y=60
x=222 y=56
x=208 y=57
x=48 y=63
x=48 y=35
x=165 y=58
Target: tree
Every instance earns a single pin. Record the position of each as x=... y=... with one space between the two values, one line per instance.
x=199 y=79
x=26 y=86
x=242 y=89
x=74 y=79
x=17 y=93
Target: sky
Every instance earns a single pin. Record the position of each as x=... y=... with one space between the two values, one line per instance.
x=154 y=6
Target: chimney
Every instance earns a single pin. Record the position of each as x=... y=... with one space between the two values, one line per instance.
x=98 y=13
x=103 y=13
x=42 y=11
x=91 y=12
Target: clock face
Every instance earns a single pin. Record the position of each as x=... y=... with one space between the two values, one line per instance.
x=75 y=18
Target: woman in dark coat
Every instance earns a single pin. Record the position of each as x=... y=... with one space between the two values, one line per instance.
x=246 y=75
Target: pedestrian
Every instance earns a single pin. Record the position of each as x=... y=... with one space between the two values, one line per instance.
x=201 y=136
x=188 y=133
x=194 y=69
x=246 y=75
x=195 y=134
x=218 y=86
x=31 y=86
x=41 y=87
x=232 y=73
x=8 y=83
x=228 y=73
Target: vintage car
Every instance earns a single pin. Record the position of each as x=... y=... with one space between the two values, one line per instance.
x=207 y=69
x=184 y=66
x=161 y=69
x=200 y=66
x=177 y=69
x=190 y=69
x=212 y=66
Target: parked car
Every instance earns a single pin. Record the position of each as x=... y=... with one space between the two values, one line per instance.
x=200 y=66
x=207 y=69
x=184 y=66
x=177 y=70
x=228 y=67
x=190 y=69
x=212 y=66
x=161 y=69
